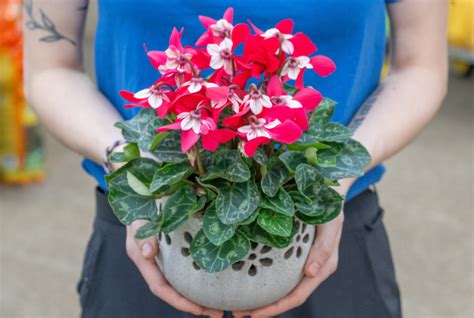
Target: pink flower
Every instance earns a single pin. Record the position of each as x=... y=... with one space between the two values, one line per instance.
x=216 y=29
x=159 y=97
x=221 y=55
x=283 y=31
x=294 y=65
x=195 y=84
x=262 y=130
x=256 y=100
x=196 y=123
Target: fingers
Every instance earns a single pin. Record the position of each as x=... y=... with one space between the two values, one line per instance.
x=149 y=246
x=325 y=246
x=142 y=253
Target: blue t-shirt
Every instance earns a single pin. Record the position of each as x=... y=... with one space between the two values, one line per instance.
x=352 y=33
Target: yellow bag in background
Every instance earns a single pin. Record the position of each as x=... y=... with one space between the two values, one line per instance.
x=21 y=153
x=461 y=24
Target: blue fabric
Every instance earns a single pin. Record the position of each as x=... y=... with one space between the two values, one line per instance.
x=352 y=33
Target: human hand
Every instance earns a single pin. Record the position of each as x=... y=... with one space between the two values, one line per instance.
x=321 y=263
x=142 y=253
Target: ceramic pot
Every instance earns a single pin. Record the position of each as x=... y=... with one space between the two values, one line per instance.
x=263 y=276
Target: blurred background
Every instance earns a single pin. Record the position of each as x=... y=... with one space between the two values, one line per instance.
x=427 y=194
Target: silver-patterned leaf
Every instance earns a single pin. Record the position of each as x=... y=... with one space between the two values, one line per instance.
x=237 y=201
x=216 y=231
x=227 y=164
x=275 y=223
x=309 y=180
x=275 y=176
x=179 y=206
x=170 y=174
x=141 y=129
x=212 y=258
x=280 y=203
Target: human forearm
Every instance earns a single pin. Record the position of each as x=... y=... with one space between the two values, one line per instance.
x=73 y=110
x=398 y=110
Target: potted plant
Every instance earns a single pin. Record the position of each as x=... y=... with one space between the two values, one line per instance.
x=233 y=168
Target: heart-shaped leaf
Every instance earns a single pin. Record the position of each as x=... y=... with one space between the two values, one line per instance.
x=212 y=258
x=169 y=149
x=227 y=164
x=170 y=174
x=179 y=206
x=216 y=231
x=275 y=176
x=256 y=234
x=237 y=201
x=275 y=223
x=350 y=161
x=291 y=159
x=141 y=129
x=308 y=180
x=280 y=203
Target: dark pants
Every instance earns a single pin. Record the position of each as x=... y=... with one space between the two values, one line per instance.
x=364 y=285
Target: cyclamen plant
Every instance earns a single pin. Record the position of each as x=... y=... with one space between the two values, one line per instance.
x=240 y=147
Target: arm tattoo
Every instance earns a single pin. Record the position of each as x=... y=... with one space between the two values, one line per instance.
x=364 y=109
x=45 y=24
x=84 y=7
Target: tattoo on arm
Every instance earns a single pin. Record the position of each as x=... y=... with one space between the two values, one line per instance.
x=45 y=24
x=84 y=7
x=364 y=109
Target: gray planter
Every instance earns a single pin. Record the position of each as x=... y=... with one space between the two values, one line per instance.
x=265 y=275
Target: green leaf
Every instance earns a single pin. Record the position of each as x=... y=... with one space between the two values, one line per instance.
x=227 y=164
x=308 y=180
x=281 y=203
x=260 y=157
x=158 y=138
x=275 y=176
x=169 y=149
x=141 y=128
x=212 y=258
x=142 y=168
x=275 y=223
x=117 y=157
x=179 y=206
x=237 y=201
x=250 y=219
x=170 y=174
x=330 y=132
x=128 y=205
x=322 y=209
x=351 y=161
x=291 y=159
x=216 y=231
x=131 y=151
x=255 y=233
x=137 y=186
x=147 y=230
x=323 y=113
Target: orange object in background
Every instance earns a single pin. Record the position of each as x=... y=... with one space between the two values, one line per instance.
x=21 y=154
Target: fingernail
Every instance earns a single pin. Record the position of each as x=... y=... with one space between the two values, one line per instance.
x=146 y=249
x=313 y=269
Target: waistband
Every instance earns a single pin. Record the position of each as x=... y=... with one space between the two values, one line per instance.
x=362 y=211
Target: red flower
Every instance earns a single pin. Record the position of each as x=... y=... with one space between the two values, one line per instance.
x=196 y=123
x=260 y=131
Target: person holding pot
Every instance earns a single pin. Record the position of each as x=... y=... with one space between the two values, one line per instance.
x=349 y=272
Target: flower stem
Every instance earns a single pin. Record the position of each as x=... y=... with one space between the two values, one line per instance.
x=199 y=162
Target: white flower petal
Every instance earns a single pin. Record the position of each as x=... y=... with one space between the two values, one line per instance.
x=194 y=87
x=287 y=47
x=273 y=124
x=293 y=72
x=196 y=125
x=213 y=49
x=226 y=44
x=155 y=101
x=244 y=129
x=266 y=101
x=228 y=67
x=187 y=123
x=144 y=93
x=216 y=62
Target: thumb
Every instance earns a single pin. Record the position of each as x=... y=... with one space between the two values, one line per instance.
x=148 y=246
x=326 y=243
